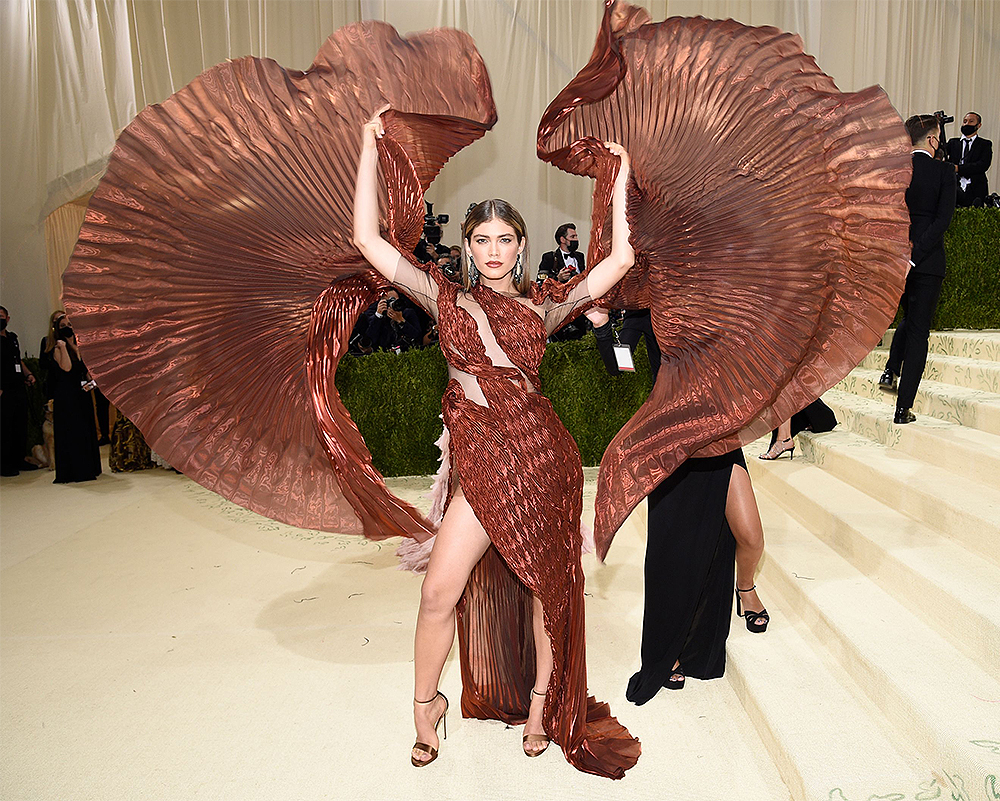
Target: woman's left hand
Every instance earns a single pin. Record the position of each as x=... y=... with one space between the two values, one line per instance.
x=617 y=150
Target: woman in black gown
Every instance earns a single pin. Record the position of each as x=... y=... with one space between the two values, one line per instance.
x=702 y=521
x=78 y=457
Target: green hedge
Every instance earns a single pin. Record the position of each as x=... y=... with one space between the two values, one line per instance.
x=970 y=296
x=396 y=401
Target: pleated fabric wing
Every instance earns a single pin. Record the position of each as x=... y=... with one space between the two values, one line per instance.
x=214 y=283
x=767 y=213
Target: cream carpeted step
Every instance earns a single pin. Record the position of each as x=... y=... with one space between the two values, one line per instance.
x=939 y=702
x=983 y=345
x=967 y=512
x=956 y=370
x=966 y=452
x=821 y=736
x=974 y=408
x=950 y=587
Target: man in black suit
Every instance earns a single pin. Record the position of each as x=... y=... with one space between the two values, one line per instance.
x=973 y=156
x=562 y=264
x=565 y=262
x=930 y=199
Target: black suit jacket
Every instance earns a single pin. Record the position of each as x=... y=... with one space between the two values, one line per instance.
x=976 y=164
x=930 y=199
x=552 y=263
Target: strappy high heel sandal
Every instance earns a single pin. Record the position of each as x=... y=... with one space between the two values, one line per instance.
x=753 y=619
x=419 y=746
x=778 y=448
x=676 y=679
x=535 y=738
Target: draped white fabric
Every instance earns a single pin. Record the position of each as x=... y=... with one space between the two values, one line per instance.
x=74 y=72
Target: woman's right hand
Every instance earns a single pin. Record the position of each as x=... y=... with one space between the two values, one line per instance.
x=374 y=129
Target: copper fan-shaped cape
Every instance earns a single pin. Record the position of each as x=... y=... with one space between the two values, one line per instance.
x=767 y=215
x=201 y=286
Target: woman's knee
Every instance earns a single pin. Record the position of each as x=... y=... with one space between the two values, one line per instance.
x=437 y=597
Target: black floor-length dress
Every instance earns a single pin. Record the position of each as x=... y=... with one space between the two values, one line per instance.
x=78 y=457
x=689 y=574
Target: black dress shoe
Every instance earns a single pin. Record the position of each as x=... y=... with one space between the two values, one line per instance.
x=904 y=416
x=887 y=381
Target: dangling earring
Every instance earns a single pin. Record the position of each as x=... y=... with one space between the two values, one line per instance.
x=473 y=273
x=518 y=271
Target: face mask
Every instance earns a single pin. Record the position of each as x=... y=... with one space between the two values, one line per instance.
x=572 y=246
x=3 y=323
x=65 y=333
x=968 y=130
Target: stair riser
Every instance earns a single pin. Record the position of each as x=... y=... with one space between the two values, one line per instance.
x=977 y=636
x=975 y=531
x=901 y=712
x=981 y=416
x=976 y=375
x=757 y=712
x=981 y=345
x=916 y=441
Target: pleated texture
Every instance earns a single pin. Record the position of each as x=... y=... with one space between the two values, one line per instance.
x=767 y=214
x=211 y=242
x=520 y=471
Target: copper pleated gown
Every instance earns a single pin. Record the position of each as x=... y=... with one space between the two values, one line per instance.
x=768 y=220
x=214 y=287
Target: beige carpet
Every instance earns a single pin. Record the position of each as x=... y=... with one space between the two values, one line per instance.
x=157 y=642
x=161 y=643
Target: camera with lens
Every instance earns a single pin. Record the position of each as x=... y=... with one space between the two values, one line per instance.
x=943 y=118
x=396 y=304
x=433 y=223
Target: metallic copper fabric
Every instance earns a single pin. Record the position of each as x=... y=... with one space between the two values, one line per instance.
x=520 y=470
x=214 y=288
x=208 y=249
x=767 y=214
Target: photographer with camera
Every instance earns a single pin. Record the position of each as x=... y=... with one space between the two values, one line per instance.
x=78 y=457
x=930 y=200
x=392 y=323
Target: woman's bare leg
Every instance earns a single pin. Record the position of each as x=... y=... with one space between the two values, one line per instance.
x=461 y=542
x=744 y=520
x=543 y=669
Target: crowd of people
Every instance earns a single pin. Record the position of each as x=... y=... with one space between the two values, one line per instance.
x=76 y=412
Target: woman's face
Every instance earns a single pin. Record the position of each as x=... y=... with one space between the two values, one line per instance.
x=494 y=248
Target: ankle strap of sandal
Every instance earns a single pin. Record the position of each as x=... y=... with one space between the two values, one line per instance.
x=750 y=590
x=430 y=700
x=535 y=692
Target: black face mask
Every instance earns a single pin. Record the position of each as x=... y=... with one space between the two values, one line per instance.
x=65 y=333
x=3 y=323
x=572 y=246
x=968 y=130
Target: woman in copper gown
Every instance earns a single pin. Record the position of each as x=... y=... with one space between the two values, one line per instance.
x=517 y=482
x=766 y=213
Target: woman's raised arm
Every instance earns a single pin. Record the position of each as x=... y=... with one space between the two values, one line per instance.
x=367 y=237
x=612 y=268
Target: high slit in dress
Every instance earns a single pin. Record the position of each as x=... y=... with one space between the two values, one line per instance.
x=520 y=471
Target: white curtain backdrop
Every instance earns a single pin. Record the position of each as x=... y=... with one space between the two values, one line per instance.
x=75 y=72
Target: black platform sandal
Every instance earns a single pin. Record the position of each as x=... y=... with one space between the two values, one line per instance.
x=756 y=621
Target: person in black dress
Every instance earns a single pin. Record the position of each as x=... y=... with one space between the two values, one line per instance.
x=816 y=417
x=702 y=521
x=78 y=457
